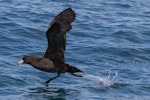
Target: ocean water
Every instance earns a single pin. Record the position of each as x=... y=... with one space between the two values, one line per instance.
x=109 y=41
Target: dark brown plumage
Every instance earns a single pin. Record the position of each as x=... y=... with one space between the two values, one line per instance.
x=53 y=59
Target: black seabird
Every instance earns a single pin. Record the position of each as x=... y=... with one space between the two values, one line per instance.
x=53 y=60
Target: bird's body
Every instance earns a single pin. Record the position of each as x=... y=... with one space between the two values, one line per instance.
x=41 y=63
x=53 y=59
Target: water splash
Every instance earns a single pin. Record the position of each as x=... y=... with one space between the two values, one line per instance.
x=111 y=78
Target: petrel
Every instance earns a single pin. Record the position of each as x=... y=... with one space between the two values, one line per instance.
x=53 y=60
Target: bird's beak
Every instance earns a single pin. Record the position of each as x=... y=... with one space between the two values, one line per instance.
x=20 y=62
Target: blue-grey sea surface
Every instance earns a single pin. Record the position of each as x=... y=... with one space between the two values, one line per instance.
x=109 y=41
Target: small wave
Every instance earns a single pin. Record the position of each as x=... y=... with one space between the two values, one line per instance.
x=130 y=36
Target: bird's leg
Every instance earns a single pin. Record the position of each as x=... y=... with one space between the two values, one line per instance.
x=46 y=83
x=76 y=75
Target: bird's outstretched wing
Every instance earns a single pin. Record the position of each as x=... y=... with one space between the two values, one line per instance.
x=56 y=35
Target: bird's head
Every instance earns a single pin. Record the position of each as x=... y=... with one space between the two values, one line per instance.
x=26 y=60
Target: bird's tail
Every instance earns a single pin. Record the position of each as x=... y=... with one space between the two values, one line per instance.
x=72 y=69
